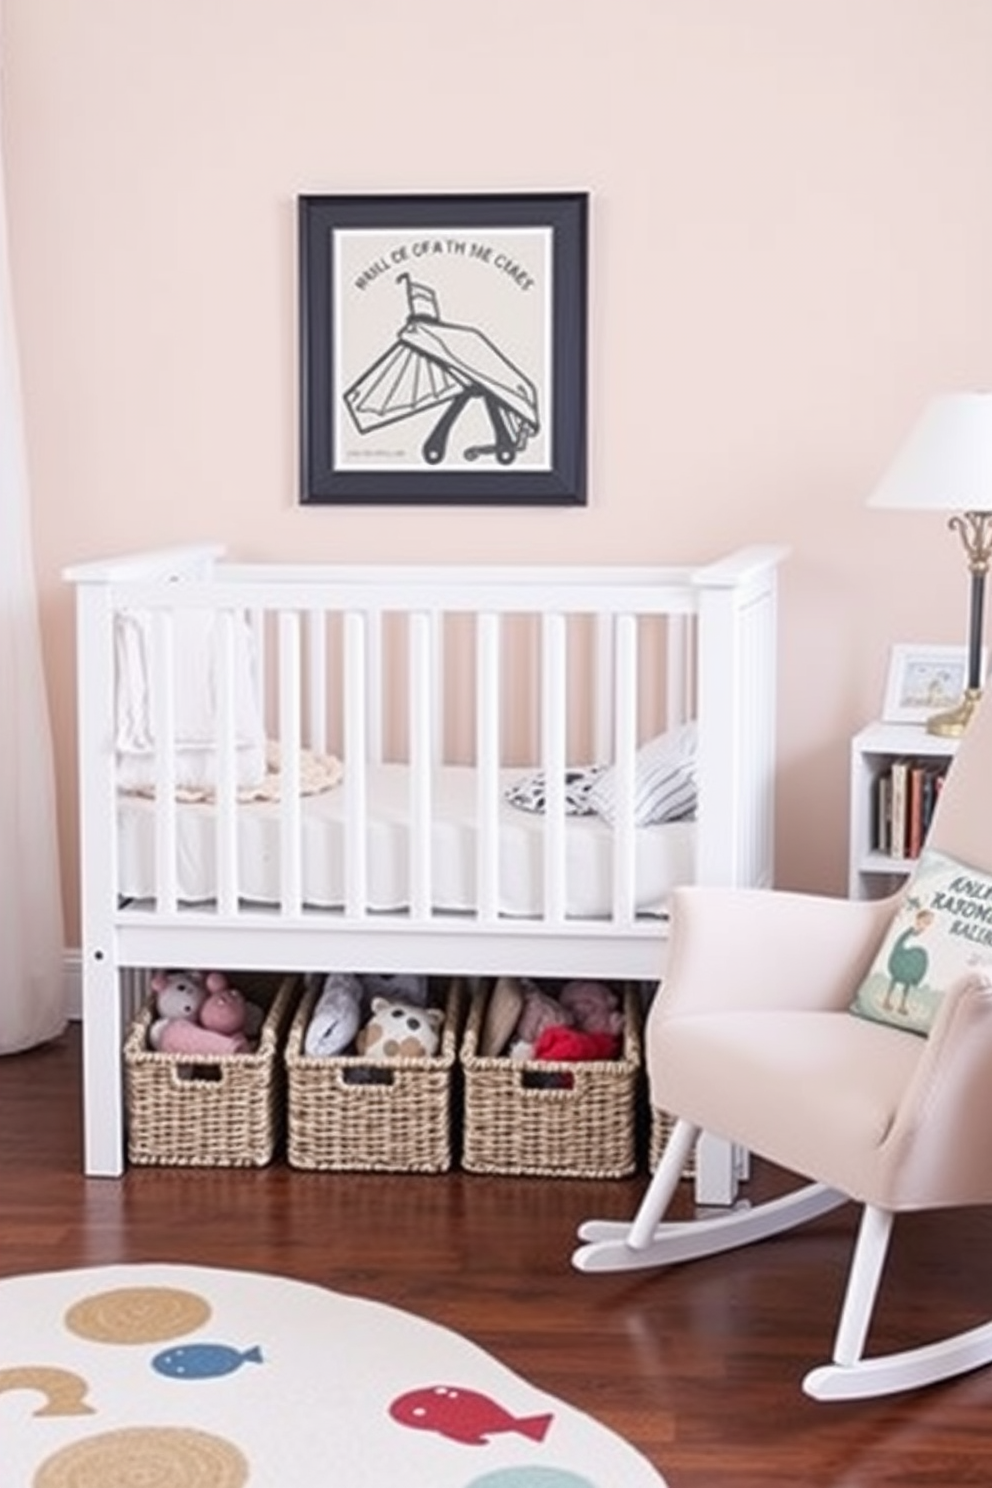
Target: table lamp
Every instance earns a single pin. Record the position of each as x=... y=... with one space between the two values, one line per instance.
x=946 y=465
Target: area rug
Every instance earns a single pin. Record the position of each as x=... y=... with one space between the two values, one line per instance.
x=189 y=1377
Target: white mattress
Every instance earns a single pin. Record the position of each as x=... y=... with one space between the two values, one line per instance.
x=664 y=853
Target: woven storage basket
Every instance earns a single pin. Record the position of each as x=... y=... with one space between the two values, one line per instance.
x=346 y=1112
x=516 y=1120
x=218 y=1110
x=662 y=1126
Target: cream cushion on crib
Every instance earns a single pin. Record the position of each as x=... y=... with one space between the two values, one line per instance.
x=665 y=787
x=197 y=644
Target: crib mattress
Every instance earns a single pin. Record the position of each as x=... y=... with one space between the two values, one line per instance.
x=664 y=854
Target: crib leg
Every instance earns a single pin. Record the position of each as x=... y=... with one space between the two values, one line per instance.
x=103 y=1101
x=717 y=1169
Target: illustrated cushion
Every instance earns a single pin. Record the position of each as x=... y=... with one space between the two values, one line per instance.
x=664 y=780
x=941 y=931
x=530 y=792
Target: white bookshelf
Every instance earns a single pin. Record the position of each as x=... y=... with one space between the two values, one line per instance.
x=871 y=873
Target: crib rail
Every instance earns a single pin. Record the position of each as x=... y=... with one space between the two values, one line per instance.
x=593 y=679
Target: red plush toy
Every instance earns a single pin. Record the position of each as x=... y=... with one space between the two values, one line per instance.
x=573 y=1043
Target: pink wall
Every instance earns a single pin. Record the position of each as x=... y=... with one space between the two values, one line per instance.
x=791 y=250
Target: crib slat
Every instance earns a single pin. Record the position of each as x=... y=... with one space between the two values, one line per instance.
x=290 y=836
x=488 y=731
x=356 y=744
x=439 y=685
x=604 y=721
x=256 y=619
x=225 y=821
x=163 y=689
x=679 y=703
x=625 y=710
x=316 y=687
x=422 y=715
x=375 y=672
x=553 y=715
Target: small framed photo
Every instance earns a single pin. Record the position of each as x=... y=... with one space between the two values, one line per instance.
x=443 y=349
x=924 y=680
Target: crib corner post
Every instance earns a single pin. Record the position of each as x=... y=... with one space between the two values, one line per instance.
x=103 y=1103
x=737 y=672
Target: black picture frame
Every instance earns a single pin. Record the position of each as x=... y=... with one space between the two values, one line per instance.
x=443 y=349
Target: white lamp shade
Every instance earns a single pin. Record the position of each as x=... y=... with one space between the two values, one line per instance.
x=946 y=463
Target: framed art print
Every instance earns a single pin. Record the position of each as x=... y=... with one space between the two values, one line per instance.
x=443 y=349
x=923 y=680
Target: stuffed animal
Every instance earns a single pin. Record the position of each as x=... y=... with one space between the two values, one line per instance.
x=400 y=1030
x=180 y=1037
x=179 y=996
x=594 y=1007
x=200 y=1013
x=573 y=1043
x=538 y=1012
x=336 y=1015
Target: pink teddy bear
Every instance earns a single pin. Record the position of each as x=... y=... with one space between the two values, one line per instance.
x=198 y=1014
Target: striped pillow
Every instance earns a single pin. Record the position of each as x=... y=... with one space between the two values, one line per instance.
x=664 y=780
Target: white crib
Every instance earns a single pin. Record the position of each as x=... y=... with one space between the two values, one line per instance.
x=432 y=687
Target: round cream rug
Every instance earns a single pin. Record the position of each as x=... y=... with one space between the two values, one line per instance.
x=189 y=1377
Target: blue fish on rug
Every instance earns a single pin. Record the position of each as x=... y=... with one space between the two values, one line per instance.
x=463 y=1415
x=204 y=1360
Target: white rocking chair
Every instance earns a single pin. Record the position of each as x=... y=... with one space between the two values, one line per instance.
x=751 y=1038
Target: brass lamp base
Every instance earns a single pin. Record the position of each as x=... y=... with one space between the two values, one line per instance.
x=952 y=724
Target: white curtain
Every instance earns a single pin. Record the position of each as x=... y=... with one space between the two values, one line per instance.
x=31 y=957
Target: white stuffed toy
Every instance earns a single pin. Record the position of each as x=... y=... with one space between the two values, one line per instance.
x=400 y=1030
x=336 y=1015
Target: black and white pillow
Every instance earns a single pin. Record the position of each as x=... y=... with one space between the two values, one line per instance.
x=664 y=780
x=530 y=791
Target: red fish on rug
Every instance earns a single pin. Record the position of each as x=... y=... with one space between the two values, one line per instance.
x=463 y=1415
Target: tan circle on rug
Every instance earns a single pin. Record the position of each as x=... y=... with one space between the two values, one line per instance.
x=137 y=1315
x=157 y=1456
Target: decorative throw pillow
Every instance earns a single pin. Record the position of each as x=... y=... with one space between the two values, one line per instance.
x=530 y=792
x=664 y=780
x=941 y=931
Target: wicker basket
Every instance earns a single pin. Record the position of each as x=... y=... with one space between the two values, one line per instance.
x=662 y=1126
x=347 y=1112
x=557 y=1118
x=218 y=1110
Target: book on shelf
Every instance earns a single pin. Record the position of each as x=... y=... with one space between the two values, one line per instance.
x=905 y=797
x=899 y=772
x=882 y=838
x=914 y=810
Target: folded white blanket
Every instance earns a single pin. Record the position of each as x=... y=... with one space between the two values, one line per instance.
x=196 y=641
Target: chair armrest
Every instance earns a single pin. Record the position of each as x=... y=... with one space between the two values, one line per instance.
x=937 y=1151
x=768 y=948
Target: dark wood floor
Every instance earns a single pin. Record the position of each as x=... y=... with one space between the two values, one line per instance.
x=699 y=1368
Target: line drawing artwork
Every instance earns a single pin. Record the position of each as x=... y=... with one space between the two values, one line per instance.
x=435 y=363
